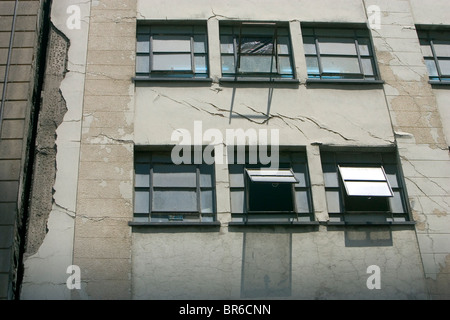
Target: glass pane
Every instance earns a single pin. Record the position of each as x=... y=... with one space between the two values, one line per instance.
x=206 y=176
x=337 y=46
x=335 y=33
x=285 y=65
x=257 y=31
x=261 y=64
x=143 y=43
x=174 y=201
x=369 y=189
x=312 y=65
x=236 y=176
x=142 y=64
x=228 y=64
x=300 y=174
x=207 y=201
x=426 y=50
x=200 y=64
x=283 y=45
x=309 y=45
x=142 y=175
x=257 y=45
x=301 y=198
x=330 y=176
x=396 y=203
x=445 y=67
x=174 y=43
x=367 y=66
x=354 y=173
x=226 y=44
x=340 y=65
x=172 y=62
x=431 y=66
x=141 y=202
x=333 y=201
x=364 y=47
x=442 y=49
x=391 y=173
x=237 y=201
x=174 y=176
x=200 y=44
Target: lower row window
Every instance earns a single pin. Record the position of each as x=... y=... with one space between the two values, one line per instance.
x=360 y=187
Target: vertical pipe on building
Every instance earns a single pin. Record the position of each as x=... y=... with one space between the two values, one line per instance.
x=8 y=63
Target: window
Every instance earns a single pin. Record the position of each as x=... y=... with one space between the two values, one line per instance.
x=263 y=194
x=256 y=50
x=173 y=51
x=364 y=187
x=435 y=47
x=165 y=192
x=339 y=53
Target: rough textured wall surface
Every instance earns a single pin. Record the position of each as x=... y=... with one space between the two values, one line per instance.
x=419 y=131
x=53 y=109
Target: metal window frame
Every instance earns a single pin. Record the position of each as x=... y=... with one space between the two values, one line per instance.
x=427 y=36
x=168 y=73
x=327 y=75
x=237 y=45
x=198 y=189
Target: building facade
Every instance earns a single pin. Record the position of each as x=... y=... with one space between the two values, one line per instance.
x=243 y=150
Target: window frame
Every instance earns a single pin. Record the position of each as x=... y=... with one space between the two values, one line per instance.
x=145 y=29
x=358 y=33
x=150 y=159
x=288 y=160
x=384 y=160
x=428 y=38
x=237 y=35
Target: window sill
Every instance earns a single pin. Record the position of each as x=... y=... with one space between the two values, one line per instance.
x=258 y=80
x=439 y=83
x=174 y=224
x=368 y=223
x=344 y=81
x=167 y=79
x=245 y=224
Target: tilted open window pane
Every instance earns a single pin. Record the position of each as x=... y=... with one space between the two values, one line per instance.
x=272 y=176
x=257 y=45
x=369 y=182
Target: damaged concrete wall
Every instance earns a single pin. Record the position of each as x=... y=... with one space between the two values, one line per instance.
x=50 y=250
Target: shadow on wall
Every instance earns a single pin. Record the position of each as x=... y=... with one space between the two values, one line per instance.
x=366 y=236
x=266 y=265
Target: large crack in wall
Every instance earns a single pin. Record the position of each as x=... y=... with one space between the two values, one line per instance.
x=51 y=115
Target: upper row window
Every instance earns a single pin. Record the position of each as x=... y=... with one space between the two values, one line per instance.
x=436 y=51
x=256 y=50
x=264 y=50
x=339 y=54
x=172 y=51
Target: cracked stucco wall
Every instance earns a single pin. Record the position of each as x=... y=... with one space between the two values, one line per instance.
x=321 y=262
x=50 y=254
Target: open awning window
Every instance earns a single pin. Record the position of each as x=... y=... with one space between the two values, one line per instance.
x=271 y=176
x=366 y=181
